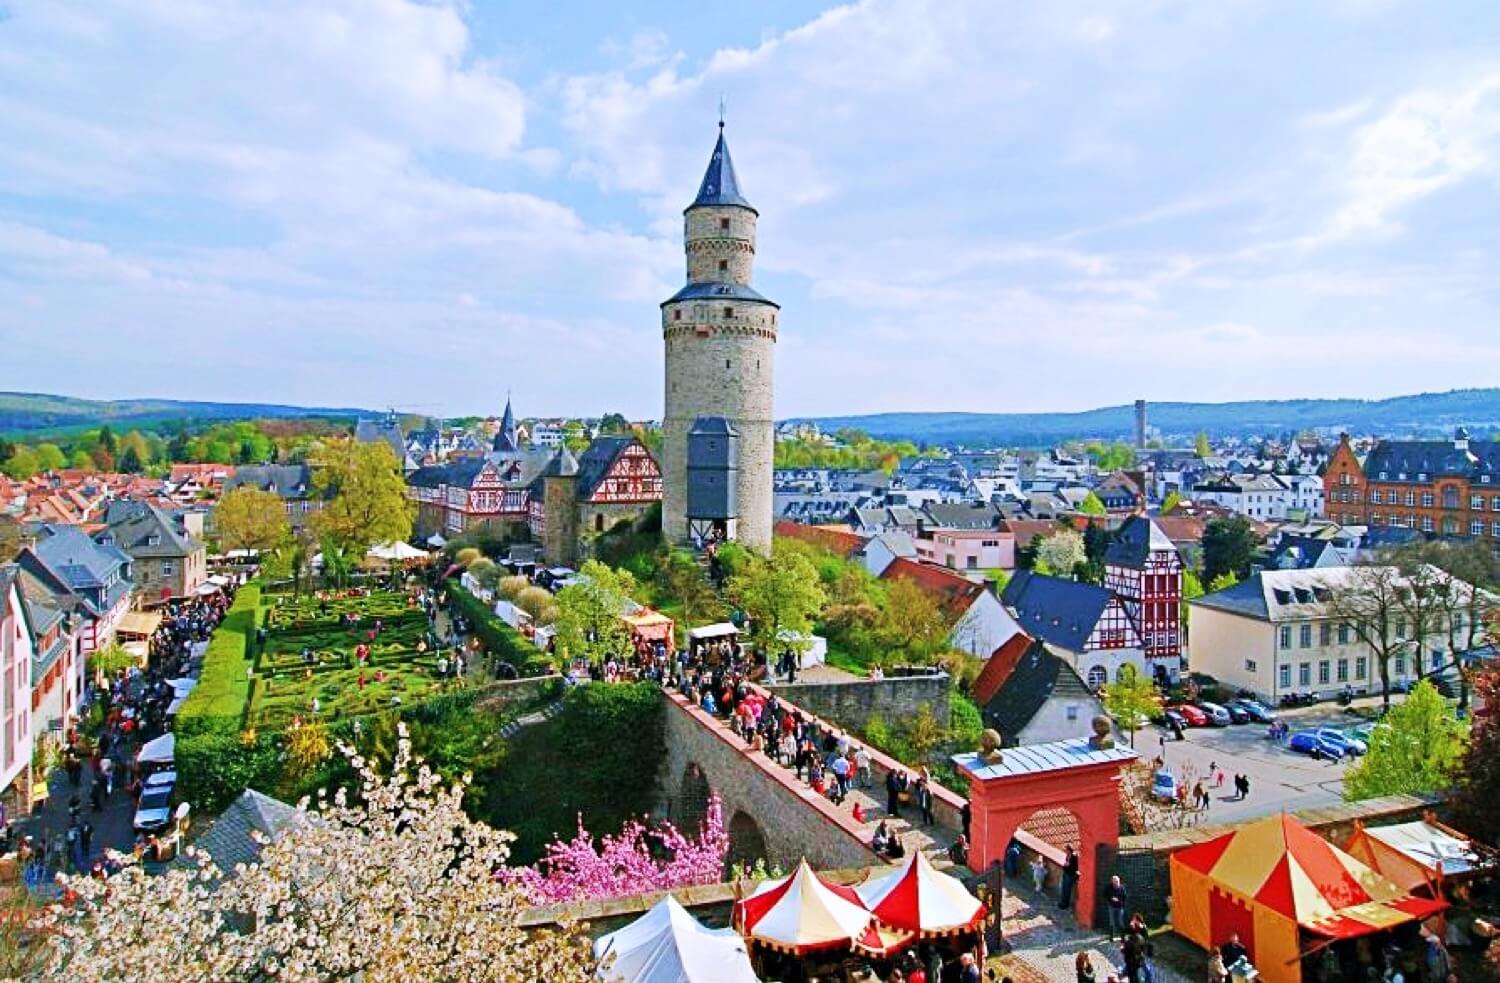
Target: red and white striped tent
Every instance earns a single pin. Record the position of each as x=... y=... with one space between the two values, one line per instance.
x=922 y=899
x=803 y=913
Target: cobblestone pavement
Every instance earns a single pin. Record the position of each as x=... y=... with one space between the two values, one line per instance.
x=1047 y=941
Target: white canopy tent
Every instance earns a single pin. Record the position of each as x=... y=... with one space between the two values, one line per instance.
x=708 y=633
x=182 y=686
x=395 y=552
x=668 y=945
x=436 y=541
x=159 y=751
x=812 y=650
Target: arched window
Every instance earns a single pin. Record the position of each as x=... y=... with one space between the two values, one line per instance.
x=1097 y=677
x=599 y=522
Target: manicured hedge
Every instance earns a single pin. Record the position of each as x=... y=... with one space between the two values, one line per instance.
x=217 y=704
x=499 y=637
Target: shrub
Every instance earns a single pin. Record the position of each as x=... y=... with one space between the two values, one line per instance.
x=509 y=588
x=536 y=602
x=217 y=704
x=499 y=637
x=466 y=556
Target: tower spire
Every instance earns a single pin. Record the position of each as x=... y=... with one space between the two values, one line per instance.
x=720 y=185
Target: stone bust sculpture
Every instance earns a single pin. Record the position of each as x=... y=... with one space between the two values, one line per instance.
x=989 y=747
x=1104 y=737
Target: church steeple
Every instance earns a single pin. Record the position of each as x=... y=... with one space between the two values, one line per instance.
x=506 y=440
x=720 y=186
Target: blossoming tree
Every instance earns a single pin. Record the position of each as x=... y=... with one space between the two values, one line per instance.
x=395 y=883
x=578 y=870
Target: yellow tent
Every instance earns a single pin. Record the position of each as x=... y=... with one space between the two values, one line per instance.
x=1272 y=880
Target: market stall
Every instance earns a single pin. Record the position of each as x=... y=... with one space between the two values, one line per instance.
x=1287 y=893
x=1420 y=857
x=922 y=899
x=804 y=916
x=668 y=945
x=709 y=639
x=648 y=627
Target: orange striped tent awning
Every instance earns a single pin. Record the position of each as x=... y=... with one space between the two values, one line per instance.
x=1286 y=867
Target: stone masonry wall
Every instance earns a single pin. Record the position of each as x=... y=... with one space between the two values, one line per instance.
x=851 y=704
x=794 y=821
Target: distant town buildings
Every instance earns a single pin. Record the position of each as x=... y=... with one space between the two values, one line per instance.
x=1445 y=488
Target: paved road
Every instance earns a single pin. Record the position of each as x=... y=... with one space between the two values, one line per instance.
x=1279 y=779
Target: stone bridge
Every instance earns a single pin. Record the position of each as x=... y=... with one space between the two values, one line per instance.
x=769 y=812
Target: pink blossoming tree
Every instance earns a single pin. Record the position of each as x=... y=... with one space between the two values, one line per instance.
x=580 y=870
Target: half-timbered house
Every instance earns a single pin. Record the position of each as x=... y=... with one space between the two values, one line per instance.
x=1143 y=568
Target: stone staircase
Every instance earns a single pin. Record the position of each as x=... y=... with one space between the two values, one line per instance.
x=517 y=724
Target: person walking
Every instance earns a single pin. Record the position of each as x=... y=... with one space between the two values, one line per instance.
x=862 y=761
x=924 y=801
x=893 y=792
x=1069 y=880
x=1038 y=873
x=1115 y=897
x=1083 y=969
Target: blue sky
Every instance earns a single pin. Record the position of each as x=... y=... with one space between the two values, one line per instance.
x=992 y=205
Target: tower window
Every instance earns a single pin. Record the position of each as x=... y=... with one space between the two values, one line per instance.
x=729 y=312
x=726 y=363
x=724 y=224
x=677 y=315
x=723 y=264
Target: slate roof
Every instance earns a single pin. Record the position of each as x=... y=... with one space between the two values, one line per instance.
x=288 y=481
x=1280 y=595
x=76 y=564
x=228 y=840
x=1138 y=538
x=594 y=463
x=1307 y=552
x=1062 y=612
x=963 y=515
x=1431 y=457
x=720 y=185
x=721 y=291
x=1036 y=676
x=562 y=465
x=713 y=425
x=143 y=530
x=505 y=439
x=388 y=430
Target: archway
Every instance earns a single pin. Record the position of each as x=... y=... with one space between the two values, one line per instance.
x=689 y=807
x=1066 y=793
x=747 y=842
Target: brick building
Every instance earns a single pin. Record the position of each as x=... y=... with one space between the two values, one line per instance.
x=1447 y=488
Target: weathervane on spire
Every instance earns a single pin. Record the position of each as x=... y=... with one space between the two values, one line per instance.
x=722 y=106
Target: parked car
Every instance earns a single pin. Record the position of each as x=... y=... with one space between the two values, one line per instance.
x=1171 y=718
x=1215 y=714
x=161 y=779
x=1254 y=709
x=1164 y=786
x=1353 y=745
x=1362 y=732
x=153 y=813
x=1309 y=742
x=1237 y=713
x=1193 y=716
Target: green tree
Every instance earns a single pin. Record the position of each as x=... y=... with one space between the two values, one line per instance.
x=1417 y=747
x=1201 y=445
x=1170 y=503
x=81 y=460
x=23 y=463
x=614 y=423
x=590 y=622
x=1223 y=581
x=1476 y=793
x=680 y=579
x=781 y=594
x=1191 y=587
x=1228 y=546
x=912 y=621
x=1131 y=699
x=106 y=439
x=250 y=519
x=130 y=461
x=1114 y=457
x=50 y=457
x=1092 y=505
x=369 y=503
x=177 y=447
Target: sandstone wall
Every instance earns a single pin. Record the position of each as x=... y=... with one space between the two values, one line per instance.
x=851 y=704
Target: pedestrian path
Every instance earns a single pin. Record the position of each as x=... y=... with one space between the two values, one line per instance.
x=932 y=840
x=1048 y=940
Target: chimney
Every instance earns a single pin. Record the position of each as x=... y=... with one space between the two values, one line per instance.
x=1140 y=424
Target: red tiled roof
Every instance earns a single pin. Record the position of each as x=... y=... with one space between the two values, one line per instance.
x=839 y=541
x=1025 y=530
x=954 y=592
x=1182 y=528
x=999 y=666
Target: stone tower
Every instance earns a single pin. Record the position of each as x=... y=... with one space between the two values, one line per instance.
x=720 y=338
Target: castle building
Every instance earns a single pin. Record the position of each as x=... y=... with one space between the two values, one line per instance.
x=720 y=345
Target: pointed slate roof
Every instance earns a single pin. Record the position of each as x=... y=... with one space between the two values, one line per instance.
x=562 y=465
x=505 y=440
x=720 y=186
